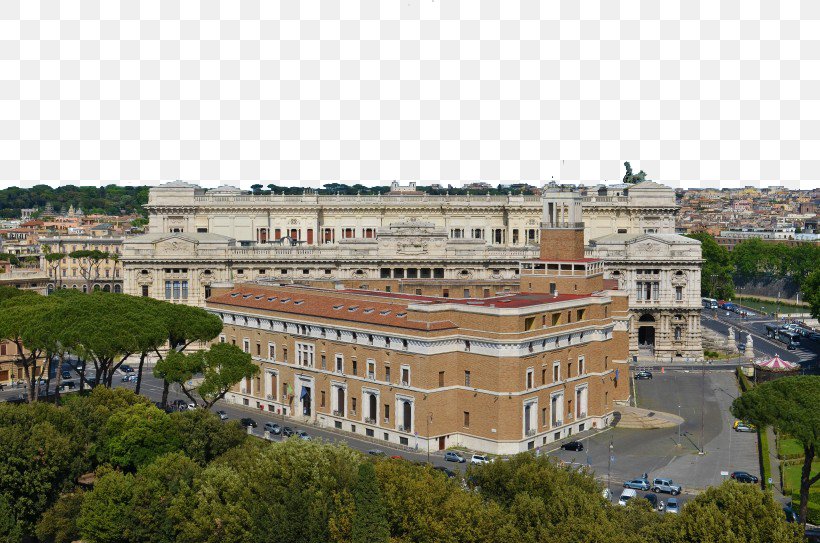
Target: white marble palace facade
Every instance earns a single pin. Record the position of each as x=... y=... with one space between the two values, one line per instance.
x=199 y=237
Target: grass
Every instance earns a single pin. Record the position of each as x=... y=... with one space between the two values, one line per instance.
x=789 y=448
x=713 y=355
x=763 y=452
x=770 y=306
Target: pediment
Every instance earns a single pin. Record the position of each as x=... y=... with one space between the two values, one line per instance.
x=175 y=245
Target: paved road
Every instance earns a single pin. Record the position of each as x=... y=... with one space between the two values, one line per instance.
x=807 y=355
x=659 y=452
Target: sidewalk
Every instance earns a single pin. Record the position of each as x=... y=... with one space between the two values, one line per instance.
x=777 y=482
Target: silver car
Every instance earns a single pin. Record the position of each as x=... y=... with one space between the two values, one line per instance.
x=672 y=505
x=665 y=485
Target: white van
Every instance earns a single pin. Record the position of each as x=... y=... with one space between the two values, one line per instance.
x=627 y=495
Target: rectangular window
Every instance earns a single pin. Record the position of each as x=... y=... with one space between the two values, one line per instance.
x=258 y=349
x=556 y=318
x=581 y=365
x=405 y=376
x=556 y=372
x=678 y=293
x=167 y=290
x=466 y=377
x=271 y=351
x=387 y=374
x=543 y=416
x=246 y=345
x=340 y=363
x=387 y=412
x=322 y=396
x=580 y=315
x=353 y=405
x=355 y=364
x=305 y=354
x=324 y=362
x=371 y=369
x=529 y=382
x=285 y=354
x=176 y=290
x=466 y=419
x=466 y=293
x=185 y=289
x=441 y=378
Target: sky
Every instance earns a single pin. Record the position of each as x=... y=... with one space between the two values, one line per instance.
x=695 y=93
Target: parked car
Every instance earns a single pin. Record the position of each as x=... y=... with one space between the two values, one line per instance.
x=573 y=446
x=626 y=495
x=66 y=374
x=125 y=378
x=287 y=431
x=791 y=515
x=446 y=471
x=375 y=452
x=665 y=485
x=652 y=499
x=304 y=436
x=222 y=415
x=645 y=374
x=180 y=405
x=191 y=405
x=744 y=477
x=247 y=422
x=273 y=428
x=452 y=456
x=126 y=368
x=479 y=459
x=744 y=427
x=672 y=506
x=637 y=484
x=397 y=457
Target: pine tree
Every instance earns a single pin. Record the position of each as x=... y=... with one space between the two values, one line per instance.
x=370 y=520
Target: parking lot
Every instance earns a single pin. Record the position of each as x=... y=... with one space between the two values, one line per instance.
x=660 y=452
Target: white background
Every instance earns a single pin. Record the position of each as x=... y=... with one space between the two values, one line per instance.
x=711 y=93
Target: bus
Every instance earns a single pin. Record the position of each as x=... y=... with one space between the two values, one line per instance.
x=791 y=339
x=709 y=303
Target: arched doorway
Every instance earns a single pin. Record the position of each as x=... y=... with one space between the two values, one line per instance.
x=107 y=288
x=117 y=289
x=646 y=332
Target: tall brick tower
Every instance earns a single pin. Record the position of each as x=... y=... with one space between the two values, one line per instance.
x=562 y=226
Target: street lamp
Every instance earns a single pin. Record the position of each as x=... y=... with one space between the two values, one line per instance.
x=609 y=469
x=679 y=423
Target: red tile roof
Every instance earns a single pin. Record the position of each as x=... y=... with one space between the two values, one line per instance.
x=509 y=300
x=324 y=303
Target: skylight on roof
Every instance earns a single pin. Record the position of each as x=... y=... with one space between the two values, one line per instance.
x=258 y=297
x=285 y=300
x=337 y=307
x=401 y=315
x=369 y=310
x=272 y=298
x=234 y=294
x=385 y=312
x=246 y=296
x=298 y=302
x=353 y=308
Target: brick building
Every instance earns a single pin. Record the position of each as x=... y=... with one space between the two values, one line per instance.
x=500 y=374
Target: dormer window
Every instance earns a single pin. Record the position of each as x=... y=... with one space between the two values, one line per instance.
x=337 y=307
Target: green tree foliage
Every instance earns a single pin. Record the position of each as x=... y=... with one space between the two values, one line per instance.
x=135 y=436
x=789 y=405
x=203 y=437
x=755 y=259
x=10 y=258
x=185 y=325
x=110 y=200
x=731 y=513
x=42 y=450
x=716 y=274
x=370 y=519
x=59 y=523
x=811 y=293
